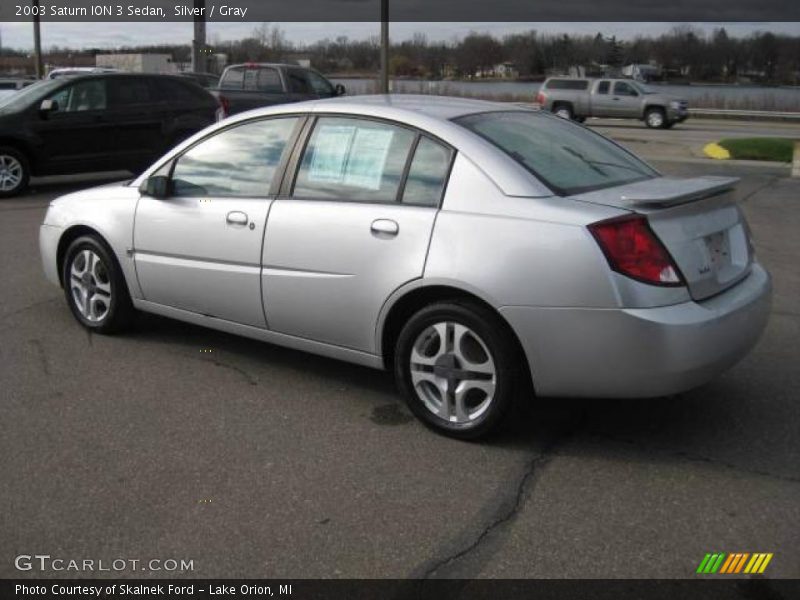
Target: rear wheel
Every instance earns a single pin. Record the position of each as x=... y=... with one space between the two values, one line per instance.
x=563 y=110
x=655 y=118
x=95 y=287
x=14 y=172
x=456 y=364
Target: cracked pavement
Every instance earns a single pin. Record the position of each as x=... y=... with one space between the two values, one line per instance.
x=257 y=461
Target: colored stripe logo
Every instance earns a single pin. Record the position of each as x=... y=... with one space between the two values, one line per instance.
x=736 y=562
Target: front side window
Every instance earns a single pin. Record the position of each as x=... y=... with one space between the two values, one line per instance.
x=297 y=81
x=82 y=96
x=567 y=158
x=320 y=85
x=428 y=173
x=354 y=160
x=236 y=162
x=622 y=88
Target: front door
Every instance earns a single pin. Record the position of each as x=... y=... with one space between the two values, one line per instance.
x=200 y=248
x=78 y=135
x=626 y=99
x=353 y=231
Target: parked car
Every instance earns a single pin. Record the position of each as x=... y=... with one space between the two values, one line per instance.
x=59 y=72
x=253 y=85
x=575 y=98
x=461 y=244
x=206 y=80
x=96 y=123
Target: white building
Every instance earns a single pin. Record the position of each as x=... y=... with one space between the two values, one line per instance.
x=138 y=63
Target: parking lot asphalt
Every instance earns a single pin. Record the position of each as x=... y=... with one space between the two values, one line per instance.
x=172 y=441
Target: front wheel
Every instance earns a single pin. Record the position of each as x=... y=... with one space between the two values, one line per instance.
x=456 y=365
x=95 y=286
x=655 y=118
x=14 y=172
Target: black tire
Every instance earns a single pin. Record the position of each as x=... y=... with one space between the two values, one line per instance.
x=655 y=118
x=563 y=110
x=18 y=165
x=496 y=338
x=119 y=311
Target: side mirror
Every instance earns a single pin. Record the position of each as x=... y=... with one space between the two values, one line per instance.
x=48 y=106
x=156 y=186
x=339 y=89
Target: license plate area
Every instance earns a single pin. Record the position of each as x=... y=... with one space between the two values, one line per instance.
x=719 y=254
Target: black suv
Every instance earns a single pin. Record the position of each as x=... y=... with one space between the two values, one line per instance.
x=96 y=122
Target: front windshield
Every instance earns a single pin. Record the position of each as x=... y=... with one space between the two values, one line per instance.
x=568 y=158
x=35 y=92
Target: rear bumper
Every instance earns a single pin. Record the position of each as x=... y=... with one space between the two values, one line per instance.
x=641 y=353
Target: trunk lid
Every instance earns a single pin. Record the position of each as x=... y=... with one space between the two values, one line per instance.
x=699 y=223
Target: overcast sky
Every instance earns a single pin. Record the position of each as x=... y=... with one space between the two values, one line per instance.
x=105 y=35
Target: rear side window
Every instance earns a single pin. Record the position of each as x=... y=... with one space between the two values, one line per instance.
x=428 y=173
x=355 y=160
x=567 y=84
x=236 y=162
x=602 y=87
x=173 y=91
x=233 y=79
x=124 y=91
x=567 y=158
x=263 y=79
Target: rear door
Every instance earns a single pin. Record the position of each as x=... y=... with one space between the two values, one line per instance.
x=603 y=104
x=200 y=248
x=137 y=119
x=352 y=228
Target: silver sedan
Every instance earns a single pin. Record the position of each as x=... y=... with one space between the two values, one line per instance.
x=477 y=250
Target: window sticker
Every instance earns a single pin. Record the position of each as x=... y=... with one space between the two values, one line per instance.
x=367 y=160
x=331 y=148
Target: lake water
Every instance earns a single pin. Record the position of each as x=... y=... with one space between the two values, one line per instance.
x=706 y=96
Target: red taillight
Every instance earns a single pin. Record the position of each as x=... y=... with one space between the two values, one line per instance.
x=632 y=249
x=224 y=107
x=540 y=98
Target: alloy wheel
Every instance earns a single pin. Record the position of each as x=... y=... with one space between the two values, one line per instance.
x=90 y=286
x=452 y=372
x=10 y=173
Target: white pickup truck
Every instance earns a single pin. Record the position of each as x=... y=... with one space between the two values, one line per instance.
x=579 y=98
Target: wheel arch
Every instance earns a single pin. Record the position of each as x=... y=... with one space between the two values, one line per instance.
x=25 y=148
x=71 y=234
x=411 y=299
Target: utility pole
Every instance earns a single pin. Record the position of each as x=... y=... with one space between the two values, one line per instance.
x=384 y=46
x=199 y=58
x=37 y=42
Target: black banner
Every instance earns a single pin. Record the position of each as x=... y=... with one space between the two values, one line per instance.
x=402 y=10
x=437 y=589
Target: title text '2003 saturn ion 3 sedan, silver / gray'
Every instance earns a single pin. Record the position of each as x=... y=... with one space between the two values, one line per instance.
x=461 y=244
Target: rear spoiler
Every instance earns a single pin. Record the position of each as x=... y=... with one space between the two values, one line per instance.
x=670 y=191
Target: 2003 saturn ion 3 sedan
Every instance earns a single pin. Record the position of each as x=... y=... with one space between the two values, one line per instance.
x=462 y=244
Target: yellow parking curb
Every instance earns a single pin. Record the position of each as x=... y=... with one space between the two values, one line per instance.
x=716 y=151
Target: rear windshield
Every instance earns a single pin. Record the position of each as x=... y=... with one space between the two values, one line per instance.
x=567 y=84
x=568 y=158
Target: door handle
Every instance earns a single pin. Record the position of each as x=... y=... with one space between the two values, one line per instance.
x=236 y=217
x=384 y=228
